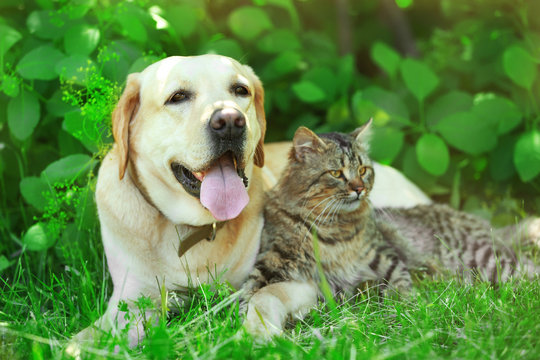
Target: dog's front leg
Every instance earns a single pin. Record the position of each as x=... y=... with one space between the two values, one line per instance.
x=127 y=312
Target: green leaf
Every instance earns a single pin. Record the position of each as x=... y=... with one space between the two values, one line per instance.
x=386 y=57
x=288 y=5
x=40 y=63
x=338 y=113
x=183 y=19
x=8 y=38
x=36 y=238
x=466 y=132
x=415 y=172
x=390 y=104
x=46 y=4
x=74 y=68
x=248 y=22
x=82 y=130
x=45 y=24
x=160 y=342
x=226 y=47
x=419 y=78
x=58 y=107
x=520 y=66
x=527 y=155
x=141 y=63
x=324 y=78
x=365 y=109
x=285 y=63
x=81 y=39
x=10 y=85
x=5 y=263
x=67 y=169
x=32 y=189
x=308 y=92
x=502 y=112
x=306 y=119
x=501 y=160
x=448 y=104
x=385 y=144
x=432 y=154
x=132 y=27
x=79 y=8
x=278 y=41
x=23 y=114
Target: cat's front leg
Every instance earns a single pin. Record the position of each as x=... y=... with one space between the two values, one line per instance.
x=269 y=307
x=393 y=272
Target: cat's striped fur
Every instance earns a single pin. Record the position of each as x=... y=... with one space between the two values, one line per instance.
x=459 y=243
x=324 y=190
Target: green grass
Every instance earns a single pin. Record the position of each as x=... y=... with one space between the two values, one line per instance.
x=48 y=297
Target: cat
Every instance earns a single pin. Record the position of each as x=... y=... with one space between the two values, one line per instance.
x=323 y=193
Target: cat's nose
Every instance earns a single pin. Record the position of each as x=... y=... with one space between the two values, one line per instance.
x=358 y=188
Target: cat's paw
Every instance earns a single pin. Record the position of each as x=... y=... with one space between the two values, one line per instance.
x=261 y=329
x=532 y=232
x=264 y=317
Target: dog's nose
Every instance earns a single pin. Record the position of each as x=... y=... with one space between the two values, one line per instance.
x=227 y=122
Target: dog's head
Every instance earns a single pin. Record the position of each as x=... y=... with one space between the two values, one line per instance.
x=192 y=127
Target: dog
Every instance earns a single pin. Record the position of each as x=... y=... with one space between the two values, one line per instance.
x=180 y=194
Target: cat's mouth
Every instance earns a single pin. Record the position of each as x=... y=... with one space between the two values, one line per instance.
x=220 y=187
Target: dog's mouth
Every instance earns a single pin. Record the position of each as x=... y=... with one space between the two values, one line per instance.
x=221 y=187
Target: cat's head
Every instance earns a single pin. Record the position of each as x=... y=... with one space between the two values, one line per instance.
x=333 y=165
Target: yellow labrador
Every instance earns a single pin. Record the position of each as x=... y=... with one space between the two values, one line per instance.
x=185 y=168
x=180 y=194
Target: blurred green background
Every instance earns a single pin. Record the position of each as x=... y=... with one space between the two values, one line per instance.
x=453 y=87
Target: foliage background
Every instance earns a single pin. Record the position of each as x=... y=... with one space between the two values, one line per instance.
x=453 y=87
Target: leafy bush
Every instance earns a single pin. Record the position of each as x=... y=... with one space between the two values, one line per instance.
x=461 y=120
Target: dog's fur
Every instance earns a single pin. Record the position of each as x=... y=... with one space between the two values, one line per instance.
x=142 y=207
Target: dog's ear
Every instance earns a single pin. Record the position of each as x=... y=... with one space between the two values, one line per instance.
x=122 y=115
x=261 y=117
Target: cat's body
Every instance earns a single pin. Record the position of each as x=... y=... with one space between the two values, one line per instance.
x=324 y=190
x=459 y=243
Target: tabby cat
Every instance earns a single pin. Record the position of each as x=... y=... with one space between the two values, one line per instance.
x=324 y=191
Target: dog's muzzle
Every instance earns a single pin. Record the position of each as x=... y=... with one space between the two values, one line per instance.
x=221 y=186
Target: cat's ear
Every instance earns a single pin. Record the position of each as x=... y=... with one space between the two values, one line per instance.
x=363 y=134
x=306 y=141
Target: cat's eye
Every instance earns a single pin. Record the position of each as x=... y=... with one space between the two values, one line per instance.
x=335 y=173
x=363 y=170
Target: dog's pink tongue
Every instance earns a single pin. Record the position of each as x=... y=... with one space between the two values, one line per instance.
x=222 y=190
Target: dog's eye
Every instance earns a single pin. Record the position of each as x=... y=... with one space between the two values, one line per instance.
x=178 y=97
x=240 y=90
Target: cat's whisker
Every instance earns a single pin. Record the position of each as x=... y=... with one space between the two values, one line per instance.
x=316 y=206
x=330 y=211
x=338 y=209
x=316 y=222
